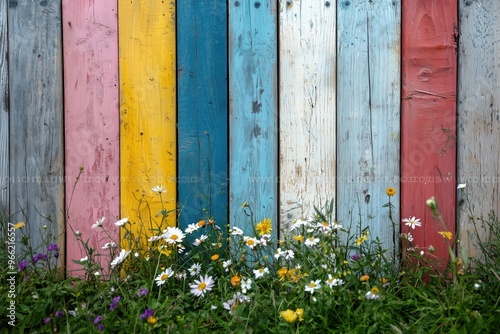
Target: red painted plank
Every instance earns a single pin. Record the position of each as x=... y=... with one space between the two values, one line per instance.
x=91 y=122
x=428 y=120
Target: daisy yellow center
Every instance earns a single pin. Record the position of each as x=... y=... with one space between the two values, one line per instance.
x=375 y=290
x=202 y=286
x=201 y=223
x=261 y=270
x=174 y=237
x=164 y=277
x=250 y=242
x=312 y=285
x=324 y=223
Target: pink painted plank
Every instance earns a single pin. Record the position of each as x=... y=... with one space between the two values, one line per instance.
x=428 y=118
x=91 y=123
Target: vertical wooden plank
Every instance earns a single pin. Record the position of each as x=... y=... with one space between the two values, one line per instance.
x=147 y=110
x=4 y=112
x=428 y=162
x=478 y=116
x=202 y=110
x=307 y=107
x=368 y=109
x=91 y=123
x=36 y=119
x=253 y=110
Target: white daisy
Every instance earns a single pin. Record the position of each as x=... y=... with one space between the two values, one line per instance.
x=195 y=269
x=289 y=254
x=373 y=294
x=162 y=278
x=251 y=242
x=120 y=258
x=279 y=253
x=226 y=264
x=173 y=235
x=336 y=226
x=99 y=222
x=237 y=231
x=260 y=272
x=199 y=241
x=324 y=227
x=121 y=222
x=313 y=286
x=108 y=245
x=201 y=286
x=331 y=282
x=84 y=259
x=265 y=239
x=159 y=189
x=412 y=222
x=246 y=285
x=311 y=241
x=181 y=275
x=191 y=228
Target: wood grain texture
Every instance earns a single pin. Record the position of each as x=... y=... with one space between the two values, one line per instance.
x=91 y=123
x=307 y=108
x=253 y=111
x=4 y=112
x=148 y=150
x=368 y=109
x=202 y=111
x=428 y=161
x=36 y=120
x=478 y=117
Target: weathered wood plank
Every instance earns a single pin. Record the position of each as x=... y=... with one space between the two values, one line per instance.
x=307 y=108
x=4 y=112
x=202 y=110
x=147 y=109
x=36 y=119
x=478 y=116
x=368 y=125
x=428 y=162
x=253 y=111
x=91 y=123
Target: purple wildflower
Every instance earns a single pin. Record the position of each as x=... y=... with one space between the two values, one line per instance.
x=36 y=258
x=148 y=313
x=52 y=247
x=59 y=313
x=355 y=257
x=22 y=265
x=44 y=257
x=100 y=328
x=142 y=292
x=56 y=255
x=114 y=304
x=46 y=320
x=97 y=319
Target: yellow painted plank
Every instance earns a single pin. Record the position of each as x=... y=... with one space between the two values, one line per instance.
x=147 y=111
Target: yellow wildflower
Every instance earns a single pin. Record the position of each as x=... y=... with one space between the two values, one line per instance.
x=165 y=250
x=289 y=316
x=264 y=227
x=299 y=238
x=364 y=278
x=235 y=280
x=215 y=257
x=201 y=223
x=300 y=313
x=282 y=273
x=19 y=225
x=390 y=191
x=152 y=320
x=446 y=234
x=361 y=239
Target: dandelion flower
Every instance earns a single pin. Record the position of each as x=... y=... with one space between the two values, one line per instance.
x=120 y=258
x=121 y=222
x=390 y=191
x=159 y=189
x=264 y=227
x=201 y=286
x=313 y=286
x=195 y=269
x=446 y=234
x=98 y=223
x=163 y=276
x=412 y=222
x=289 y=316
x=173 y=235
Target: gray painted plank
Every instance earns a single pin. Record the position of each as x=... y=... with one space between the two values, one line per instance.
x=478 y=115
x=368 y=109
x=4 y=113
x=36 y=115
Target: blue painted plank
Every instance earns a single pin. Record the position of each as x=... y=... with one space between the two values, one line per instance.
x=253 y=148
x=368 y=104
x=202 y=111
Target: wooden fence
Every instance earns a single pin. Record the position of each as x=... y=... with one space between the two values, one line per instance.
x=281 y=104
